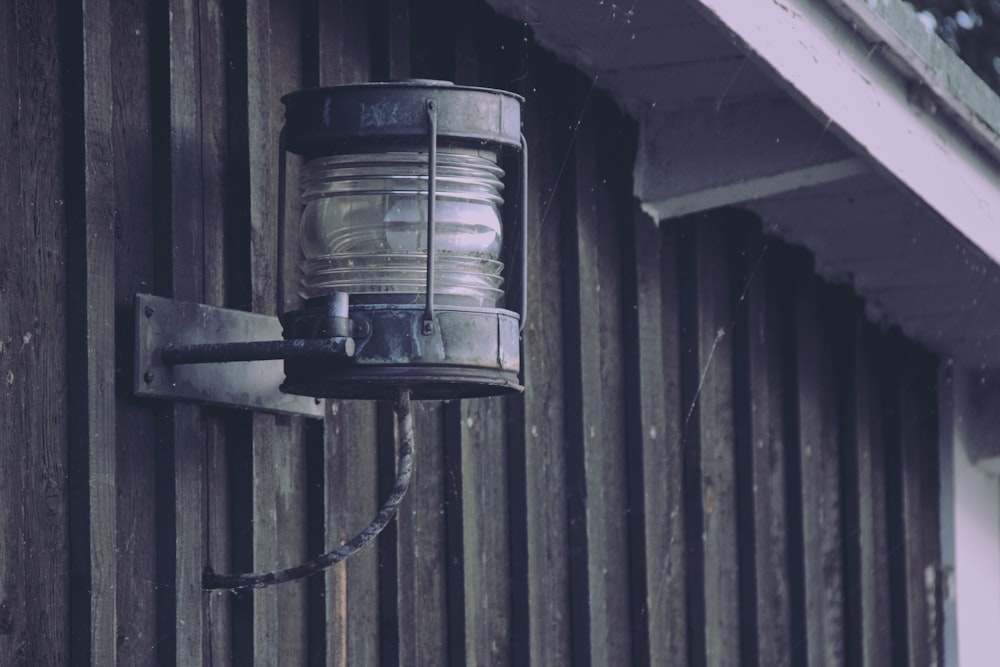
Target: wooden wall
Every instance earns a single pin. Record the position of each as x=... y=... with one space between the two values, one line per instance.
x=717 y=461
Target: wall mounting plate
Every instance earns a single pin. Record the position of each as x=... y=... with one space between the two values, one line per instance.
x=251 y=385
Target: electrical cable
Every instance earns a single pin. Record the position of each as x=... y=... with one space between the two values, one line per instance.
x=404 y=419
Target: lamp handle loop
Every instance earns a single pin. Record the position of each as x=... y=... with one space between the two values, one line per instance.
x=404 y=420
x=524 y=232
x=432 y=130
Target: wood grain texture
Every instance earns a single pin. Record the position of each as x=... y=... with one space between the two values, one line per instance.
x=546 y=521
x=181 y=540
x=218 y=424
x=594 y=395
x=485 y=538
x=352 y=593
x=820 y=465
x=34 y=558
x=766 y=395
x=272 y=68
x=717 y=475
x=421 y=549
x=136 y=428
x=918 y=429
x=100 y=335
x=875 y=554
x=662 y=414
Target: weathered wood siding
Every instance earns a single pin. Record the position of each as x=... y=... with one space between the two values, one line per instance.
x=717 y=460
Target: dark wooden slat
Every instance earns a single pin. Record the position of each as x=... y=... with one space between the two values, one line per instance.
x=352 y=593
x=485 y=536
x=596 y=415
x=135 y=420
x=343 y=43
x=274 y=68
x=659 y=380
x=766 y=395
x=717 y=482
x=269 y=477
x=389 y=39
x=454 y=533
x=33 y=375
x=212 y=70
x=180 y=463
x=841 y=319
x=15 y=423
x=784 y=266
x=100 y=353
x=874 y=587
x=420 y=557
x=686 y=243
x=890 y=367
x=545 y=521
x=820 y=464
x=741 y=245
x=920 y=498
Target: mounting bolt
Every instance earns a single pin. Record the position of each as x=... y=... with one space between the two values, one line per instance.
x=149 y=311
x=148 y=377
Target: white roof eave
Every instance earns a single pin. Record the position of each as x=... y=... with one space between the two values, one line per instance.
x=905 y=101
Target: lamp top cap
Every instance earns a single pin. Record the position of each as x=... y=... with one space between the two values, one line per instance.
x=323 y=121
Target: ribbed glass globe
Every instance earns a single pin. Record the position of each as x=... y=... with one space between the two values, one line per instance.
x=364 y=227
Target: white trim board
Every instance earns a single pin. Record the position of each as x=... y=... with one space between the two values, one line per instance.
x=872 y=105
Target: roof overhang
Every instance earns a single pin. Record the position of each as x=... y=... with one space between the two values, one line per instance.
x=846 y=124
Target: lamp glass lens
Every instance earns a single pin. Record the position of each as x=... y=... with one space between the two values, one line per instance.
x=364 y=226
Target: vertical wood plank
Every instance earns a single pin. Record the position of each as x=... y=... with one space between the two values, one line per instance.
x=15 y=647
x=840 y=318
x=766 y=395
x=352 y=596
x=595 y=427
x=100 y=353
x=717 y=482
x=132 y=148
x=874 y=588
x=890 y=379
x=33 y=374
x=274 y=68
x=486 y=554
x=659 y=380
x=918 y=428
x=181 y=548
x=268 y=475
x=544 y=464
x=421 y=555
x=217 y=424
x=820 y=465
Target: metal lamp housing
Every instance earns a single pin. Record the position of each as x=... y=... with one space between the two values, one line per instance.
x=401 y=239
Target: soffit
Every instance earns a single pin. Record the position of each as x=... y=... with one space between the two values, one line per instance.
x=725 y=121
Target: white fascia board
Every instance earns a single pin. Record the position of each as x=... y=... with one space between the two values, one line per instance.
x=919 y=53
x=827 y=65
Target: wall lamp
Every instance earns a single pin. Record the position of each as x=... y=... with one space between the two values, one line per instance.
x=401 y=274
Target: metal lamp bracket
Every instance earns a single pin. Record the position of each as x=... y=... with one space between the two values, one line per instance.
x=165 y=324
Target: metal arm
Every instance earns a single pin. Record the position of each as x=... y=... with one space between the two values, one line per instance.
x=209 y=353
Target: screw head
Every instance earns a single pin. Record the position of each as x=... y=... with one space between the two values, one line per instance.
x=149 y=311
x=149 y=377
